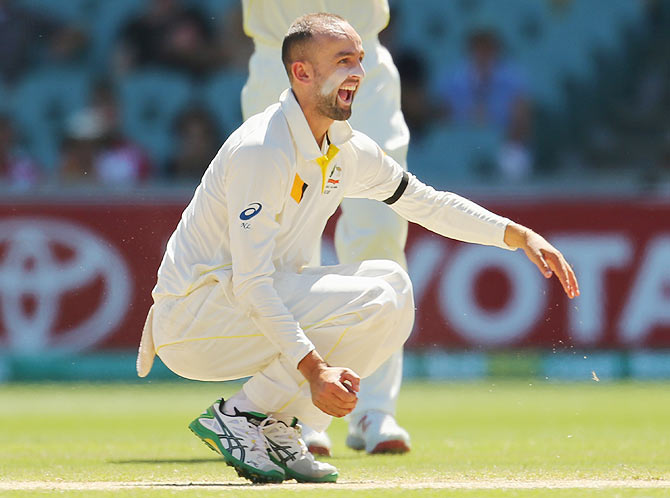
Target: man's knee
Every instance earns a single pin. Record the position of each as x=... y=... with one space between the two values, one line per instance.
x=391 y=319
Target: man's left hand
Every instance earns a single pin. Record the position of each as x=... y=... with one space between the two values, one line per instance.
x=546 y=257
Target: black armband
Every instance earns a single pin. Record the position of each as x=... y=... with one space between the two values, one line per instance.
x=400 y=190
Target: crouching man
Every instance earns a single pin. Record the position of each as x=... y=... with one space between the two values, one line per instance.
x=235 y=297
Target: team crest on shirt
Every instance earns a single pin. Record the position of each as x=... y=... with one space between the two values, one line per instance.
x=333 y=180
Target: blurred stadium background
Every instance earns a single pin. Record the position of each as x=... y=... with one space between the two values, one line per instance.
x=552 y=112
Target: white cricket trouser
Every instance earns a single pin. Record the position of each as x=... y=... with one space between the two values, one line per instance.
x=356 y=315
x=366 y=229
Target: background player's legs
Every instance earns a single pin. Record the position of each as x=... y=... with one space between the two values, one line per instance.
x=267 y=80
x=380 y=390
x=370 y=229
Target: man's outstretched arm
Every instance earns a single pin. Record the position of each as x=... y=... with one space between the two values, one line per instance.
x=451 y=215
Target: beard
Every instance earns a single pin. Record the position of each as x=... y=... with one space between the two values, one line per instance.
x=328 y=106
x=327 y=103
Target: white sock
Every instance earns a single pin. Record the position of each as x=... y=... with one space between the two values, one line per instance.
x=240 y=401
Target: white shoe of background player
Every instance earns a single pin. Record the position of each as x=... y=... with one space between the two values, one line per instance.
x=318 y=442
x=377 y=432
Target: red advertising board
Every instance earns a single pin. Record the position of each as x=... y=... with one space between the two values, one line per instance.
x=78 y=276
x=469 y=295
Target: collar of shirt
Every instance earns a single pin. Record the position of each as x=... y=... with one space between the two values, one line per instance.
x=338 y=133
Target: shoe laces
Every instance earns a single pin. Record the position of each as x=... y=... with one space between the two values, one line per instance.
x=285 y=435
x=253 y=432
x=258 y=445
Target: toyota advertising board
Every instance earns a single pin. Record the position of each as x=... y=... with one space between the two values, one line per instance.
x=474 y=296
x=77 y=277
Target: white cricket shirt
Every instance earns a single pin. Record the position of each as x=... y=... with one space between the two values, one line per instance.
x=265 y=199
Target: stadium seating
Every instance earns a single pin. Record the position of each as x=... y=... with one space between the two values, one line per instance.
x=100 y=19
x=521 y=22
x=111 y=17
x=81 y=12
x=41 y=104
x=435 y=31
x=151 y=99
x=555 y=42
x=454 y=155
x=4 y=99
x=221 y=95
x=213 y=8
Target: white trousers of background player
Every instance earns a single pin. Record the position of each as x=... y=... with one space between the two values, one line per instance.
x=366 y=229
x=355 y=315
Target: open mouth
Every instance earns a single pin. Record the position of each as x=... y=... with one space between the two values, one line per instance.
x=346 y=94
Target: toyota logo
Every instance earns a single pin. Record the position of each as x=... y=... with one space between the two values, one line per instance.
x=43 y=260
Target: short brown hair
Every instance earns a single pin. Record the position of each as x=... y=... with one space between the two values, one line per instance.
x=303 y=30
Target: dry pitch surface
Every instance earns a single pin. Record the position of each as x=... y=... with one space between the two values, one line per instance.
x=474 y=484
x=510 y=439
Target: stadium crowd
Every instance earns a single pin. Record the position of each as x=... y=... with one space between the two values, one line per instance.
x=126 y=94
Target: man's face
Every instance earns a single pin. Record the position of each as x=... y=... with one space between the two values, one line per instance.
x=337 y=61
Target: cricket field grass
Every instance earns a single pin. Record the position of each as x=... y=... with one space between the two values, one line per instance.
x=483 y=439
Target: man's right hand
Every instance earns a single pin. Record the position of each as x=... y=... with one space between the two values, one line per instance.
x=333 y=388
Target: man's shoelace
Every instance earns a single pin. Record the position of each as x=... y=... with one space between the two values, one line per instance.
x=253 y=433
x=285 y=435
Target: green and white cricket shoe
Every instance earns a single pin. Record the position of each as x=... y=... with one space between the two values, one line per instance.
x=238 y=438
x=289 y=451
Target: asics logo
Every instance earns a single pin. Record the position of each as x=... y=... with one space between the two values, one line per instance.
x=284 y=453
x=251 y=211
x=229 y=439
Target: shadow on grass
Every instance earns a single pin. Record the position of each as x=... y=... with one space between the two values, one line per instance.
x=195 y=484
x=154 y=461
x=166 y=460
